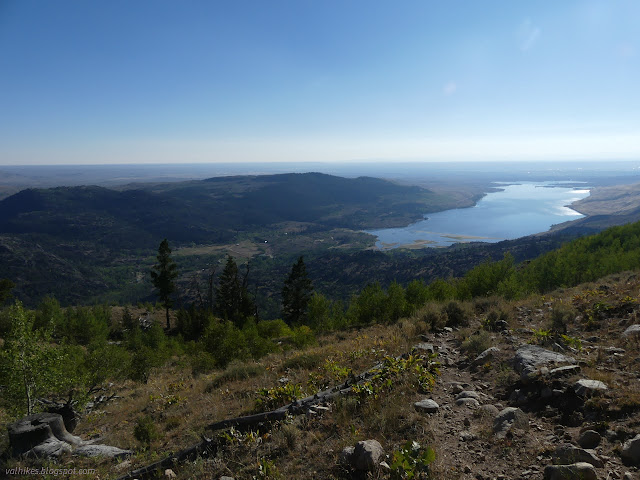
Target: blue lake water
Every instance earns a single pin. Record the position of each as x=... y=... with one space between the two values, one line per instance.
x=515 y=211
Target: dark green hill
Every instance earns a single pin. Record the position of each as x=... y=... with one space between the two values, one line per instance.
x=81 y=242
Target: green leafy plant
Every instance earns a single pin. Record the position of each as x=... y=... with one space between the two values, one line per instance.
x=411 y=460
x=145 y=430
x=270 y=398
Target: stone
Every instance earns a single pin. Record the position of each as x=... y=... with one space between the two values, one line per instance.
x=576 y=471
x=225 y=477
x=587 y=388
x=589 y=439
x=345 y=456
x=467 y=402
x=487 y=411
x=486 y=355
x=101 y=451
x=631 y=451
x=468 y=394
x=367 y=455
x=632 y=331
x=567 y=454
x=170 y=473
x=426 y=406
x=423 y=347
x=529 y=358
x=565 y=371
x=508 y=418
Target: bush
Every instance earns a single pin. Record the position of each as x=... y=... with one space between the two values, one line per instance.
x=234 y=372
x=456 y=316
x=145 y=431
x=477 y=343
x=273 y=329
x=303 y=337
x=304 y=361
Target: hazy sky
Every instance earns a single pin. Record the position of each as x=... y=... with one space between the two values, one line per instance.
x=318 y=80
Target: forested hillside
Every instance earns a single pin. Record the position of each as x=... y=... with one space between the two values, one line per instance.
x=103 y=357
x=84 y=244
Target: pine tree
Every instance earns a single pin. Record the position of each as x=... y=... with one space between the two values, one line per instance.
x=232 y=298
x=228 y=291
x=296 y=294
x=163 y=275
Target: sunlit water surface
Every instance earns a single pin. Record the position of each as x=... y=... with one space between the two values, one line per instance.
x=515 y=211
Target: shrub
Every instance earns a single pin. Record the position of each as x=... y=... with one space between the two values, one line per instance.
x=305 y=361
x=145 y=431
x=303 y=336
x=236 y=371
x=477 y=343
x=456 y=316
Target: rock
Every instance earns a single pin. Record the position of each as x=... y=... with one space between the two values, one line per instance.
x=628 y=476
x=587 y=388
x=508 y=418
x=423 y=348
x=486 y=355
x=487 y=411
x=567 y=454
x=632 y=331
x=631 y=451
x=501 y=325
x=345 y=456
x=576 y=471
x=426 y=406
x=565 y=371
x=467 y=402
x=589 y=439
x=468 y=394
x=170 y=473
x=224 y=477
x=367 y=455
x=41 y=434
x=529 y=358
x=101 y=451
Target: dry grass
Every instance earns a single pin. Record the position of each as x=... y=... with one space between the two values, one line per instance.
x=181 y=406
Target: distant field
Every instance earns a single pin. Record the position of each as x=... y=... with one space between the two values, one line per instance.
x=245 y=249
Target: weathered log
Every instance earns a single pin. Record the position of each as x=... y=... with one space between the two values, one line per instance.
x=26 y=434
x=298 y=407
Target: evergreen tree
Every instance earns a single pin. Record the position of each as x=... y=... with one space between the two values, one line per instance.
x=296 y=294
x=228 y=291
x=163 y=275
x=232 y=298
x=6 y=286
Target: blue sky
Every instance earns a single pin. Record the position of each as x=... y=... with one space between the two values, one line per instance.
x=85 y=82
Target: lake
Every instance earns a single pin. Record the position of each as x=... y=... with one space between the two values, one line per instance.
x=516 y=210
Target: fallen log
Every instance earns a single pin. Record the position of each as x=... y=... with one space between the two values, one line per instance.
x=299 y=407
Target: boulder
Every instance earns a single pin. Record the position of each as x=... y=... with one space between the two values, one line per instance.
x=566 y=454
x=367 y=455
x=589 y=439
x=426 y=406
x=632 y=331
x=467 y=402
x=486 y=355
x=576 y=471
x=587 y=388
x=508 y=418
x=468 y=394
x=423 y=348
x=529 y=358
x=631 y=451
